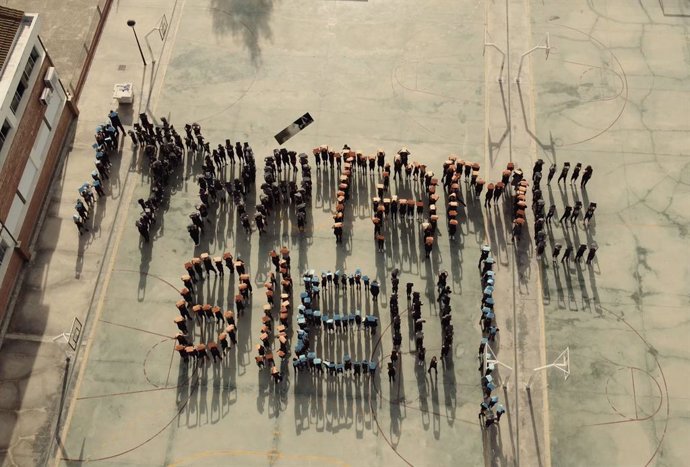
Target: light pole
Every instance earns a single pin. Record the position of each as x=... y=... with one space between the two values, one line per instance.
x=131 y=23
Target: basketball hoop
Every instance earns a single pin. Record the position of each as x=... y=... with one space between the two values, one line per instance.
x=562 y=363
x=490 y=359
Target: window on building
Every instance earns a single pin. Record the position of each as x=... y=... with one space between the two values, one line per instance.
x=33 y=58
x=24 y=80
x=3 y=250
x=4 y=131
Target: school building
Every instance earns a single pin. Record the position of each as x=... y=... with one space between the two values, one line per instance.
x=35 y=116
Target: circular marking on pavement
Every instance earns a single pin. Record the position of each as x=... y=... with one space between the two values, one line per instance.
x=584 y=109
x=260 y=456
x=154 y=353
x=662 y=387
x=622 y=393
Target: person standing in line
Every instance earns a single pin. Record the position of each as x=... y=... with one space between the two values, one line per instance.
x=143 y=230
x=194 y=233
x=218 y=262
x=500 y=410
x=587 y=174
x=181 y=325
x=115 y=121
x=489 y=195
x=537 y=168
x=592 y=252
x=99 y=188
x=564 y=173
x=81 y=210
x=188 y=283
x=580 y=252
x=550 y=213
x=380 y=240
x=79 y=222
x=576 y=212
x=208 y=263
x=566 y=214
x=590 y=212
x=556 y=251
x=433 y=365
x=552 y=172
x=576 y=173
x=391 y=373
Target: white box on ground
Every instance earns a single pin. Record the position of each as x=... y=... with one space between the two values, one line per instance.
x=123 y=93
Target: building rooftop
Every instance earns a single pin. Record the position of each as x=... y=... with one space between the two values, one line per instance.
x=10 y=20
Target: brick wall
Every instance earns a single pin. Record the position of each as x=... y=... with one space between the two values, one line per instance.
x=16 y=262
x=23 y=142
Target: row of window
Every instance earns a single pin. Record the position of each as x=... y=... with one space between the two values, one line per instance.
x=23 y=84
x=4 y=131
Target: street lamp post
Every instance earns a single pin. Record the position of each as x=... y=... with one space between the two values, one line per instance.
x=131 y=23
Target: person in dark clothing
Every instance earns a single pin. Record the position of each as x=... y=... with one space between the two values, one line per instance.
x=79 y=222
x=550 y=213
x=143 y=230
x=586 y=175
x=115 y=120
x=566 y=214
x=564 y=172
x=580 y=252
x=592 y=252
x=590 y=212
x=391 y=373
x=552 y=172
x=374 y=289
x=433 y=366
x=194 y=233
x=576 y=173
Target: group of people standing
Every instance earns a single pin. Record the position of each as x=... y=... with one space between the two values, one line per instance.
x=386 y=206
x=163 y=148
x=330 y=324
x=107 y=141
x=213 y=185
x=275 y=191
x=571 y=214
x=278 y=285
x=197 y=270
x=488 y=415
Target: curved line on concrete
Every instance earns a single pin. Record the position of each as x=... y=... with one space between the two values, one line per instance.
x=177 y=413
x=652 y=352
x=601 y=46
x=271 y=455
x=627 y=418
x=146 y=358
x=126 y=451
x=148 y=275
x=372 y=409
